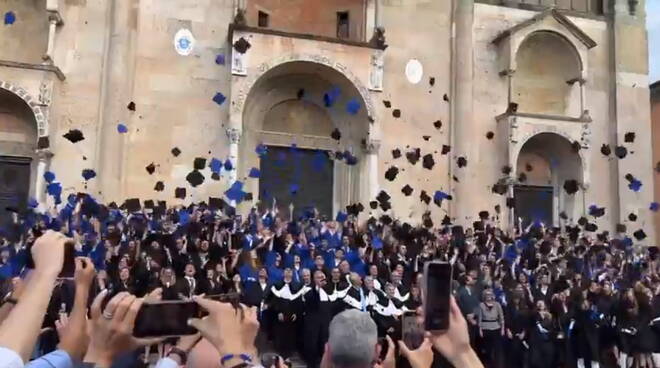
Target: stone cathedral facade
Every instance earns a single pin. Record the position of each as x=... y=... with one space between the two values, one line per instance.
x=536 y=109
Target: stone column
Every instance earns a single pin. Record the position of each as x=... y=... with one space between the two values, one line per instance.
x=116 y=92
x=466 y=193
x=632 y=106
x=371 y=147
x=43 y=163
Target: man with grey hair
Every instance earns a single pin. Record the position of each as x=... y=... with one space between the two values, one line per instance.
x=352 y=341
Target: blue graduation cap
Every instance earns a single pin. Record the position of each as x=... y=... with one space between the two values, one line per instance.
x=235 y=192
x=88 y=174
x=228 y=165
x=341 y=217
x=220 y=59
x=254 y=173
x=635 y=185
x=353 y=106
x=655 y=206
x=219 y=98
x=330 y=97
x=261 y=149
x=49 y=177
x=55 y=190
x=184 y=217
x=121 y=128
x=440 y=195
x=215 y=165
x=10 y=18
x=32 y=203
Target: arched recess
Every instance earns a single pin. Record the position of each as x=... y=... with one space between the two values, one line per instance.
x=548 y=76
x=285 y=107
x=19 y=161
x=548 y=161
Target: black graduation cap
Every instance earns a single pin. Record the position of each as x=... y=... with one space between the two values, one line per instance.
x=428 y=223
x=605 y=149
x=132 y=205
x=160 y=209
x=582 y=221
x=639 y=235
x=387 y=103
x=498 y=208
x=620 y=152
x=385 y=219
x=396 y=113
x=373 y=205
x=563 y=215
x=391 y=173
x=199 y=163
x=621 y=228
x=484 y=215
x=603 y=236
x=500 y=187
x=195 y=178
x=426 y=137
x=506 y=170
x=74 y=136
x=413 y=156
x=215 y=203
x=446 y=221
x=437 y=124
x=428 y=162
x=242 y=45
x=490 y=135
x=407 y=190
x=151 y=168
x=591 y=227
x=159 y=187
x=632 y=217
x=445 y=149
x=596 y=211
x=149 y=203
x=522 y=177
x=424 y=197
x=629 y=137
x=384 y=200
x=511 y=202
x=396 y=153
x=571 y=186
x=461 y=162
x=336 y=134
x=354 y=209
x=180 y=193
x=131 y=106
x=576 y=146
x=215 y=176
x=176 y=151
x=445 y=97
x=113 y=206
x=248 y=197
x=432 y=81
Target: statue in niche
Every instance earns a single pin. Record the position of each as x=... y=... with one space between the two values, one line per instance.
x=44 y=94
x=376 y=73
x=378 y=38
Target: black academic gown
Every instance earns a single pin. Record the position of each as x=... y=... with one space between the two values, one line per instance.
x=284 y=304
x=317 y=304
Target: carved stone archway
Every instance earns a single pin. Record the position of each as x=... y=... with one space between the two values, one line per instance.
x=39 y=115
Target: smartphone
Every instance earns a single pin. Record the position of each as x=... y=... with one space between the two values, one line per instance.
x=166 y=319
x=437 y=291
x=412 y=330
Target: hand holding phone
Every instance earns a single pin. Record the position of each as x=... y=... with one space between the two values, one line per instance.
x=166 y=319
x=437 y=292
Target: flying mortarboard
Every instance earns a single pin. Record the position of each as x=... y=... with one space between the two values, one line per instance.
x=180 y=193
x=74 y=136
x=132 y=205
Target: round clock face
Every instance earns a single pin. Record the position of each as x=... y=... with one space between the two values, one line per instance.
x=414 y=71
x=184 y=42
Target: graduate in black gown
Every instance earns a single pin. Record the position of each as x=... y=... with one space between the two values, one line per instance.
x=286 y=310
x=317 y=312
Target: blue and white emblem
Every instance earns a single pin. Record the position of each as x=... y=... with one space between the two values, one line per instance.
x=184 y=42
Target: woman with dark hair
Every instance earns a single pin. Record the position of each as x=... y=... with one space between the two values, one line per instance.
x=517 y=321
x=542 y=332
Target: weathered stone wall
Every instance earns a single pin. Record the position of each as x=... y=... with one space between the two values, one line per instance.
x=26 y=39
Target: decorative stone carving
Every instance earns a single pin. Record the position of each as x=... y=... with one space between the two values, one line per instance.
x=242 y=91
x=239 y=18
x=633 y=6
x=39 y=115
x=45 y=92
x=234 y=135
x=371 y=146
x=586 y=136
x=376 y=72
x=239 y=63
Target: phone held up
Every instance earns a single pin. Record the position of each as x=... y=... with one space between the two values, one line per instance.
x=437 y=291
x=412 y=330
x=166 y=319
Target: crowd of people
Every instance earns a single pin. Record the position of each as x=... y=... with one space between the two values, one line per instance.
x=535 y=296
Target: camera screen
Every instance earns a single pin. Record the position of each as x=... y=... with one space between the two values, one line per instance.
x=438 y=289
